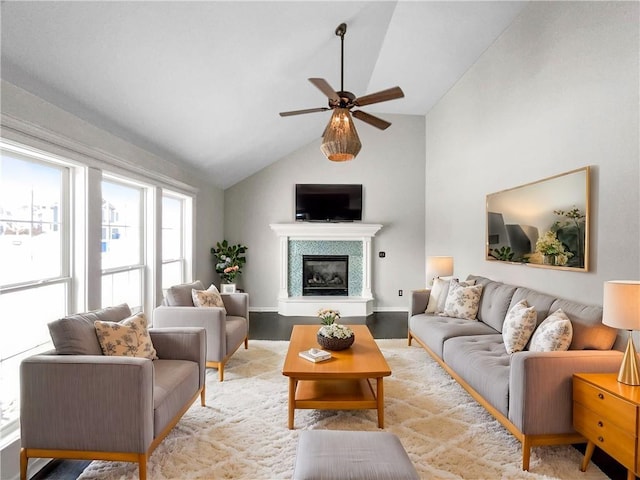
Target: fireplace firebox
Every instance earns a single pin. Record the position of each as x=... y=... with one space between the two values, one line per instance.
x=325 y=275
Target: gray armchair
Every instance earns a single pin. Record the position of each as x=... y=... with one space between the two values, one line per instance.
x=97 y=407
x=225 y=331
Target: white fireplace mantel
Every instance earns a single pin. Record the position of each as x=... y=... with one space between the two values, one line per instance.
x=308 y=306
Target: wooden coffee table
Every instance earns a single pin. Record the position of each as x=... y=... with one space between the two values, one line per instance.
x=342 y=383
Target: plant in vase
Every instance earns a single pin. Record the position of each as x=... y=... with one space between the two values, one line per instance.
x=552 y=249
x=332 y=335
x=229 y=260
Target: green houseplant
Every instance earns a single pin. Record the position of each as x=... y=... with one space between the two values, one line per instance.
x=229 y=260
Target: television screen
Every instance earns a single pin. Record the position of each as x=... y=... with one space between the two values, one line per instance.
x=328 y=202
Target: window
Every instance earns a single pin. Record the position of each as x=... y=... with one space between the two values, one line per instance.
x=173 y=239
x=35 y=282
x=122 y=244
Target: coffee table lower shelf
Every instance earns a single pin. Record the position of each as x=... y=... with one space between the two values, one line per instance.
x=343 y=394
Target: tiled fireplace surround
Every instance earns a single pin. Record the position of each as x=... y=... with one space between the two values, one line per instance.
x=352 y=239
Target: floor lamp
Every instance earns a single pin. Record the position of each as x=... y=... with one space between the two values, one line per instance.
x=621 y=309
x=438 y=267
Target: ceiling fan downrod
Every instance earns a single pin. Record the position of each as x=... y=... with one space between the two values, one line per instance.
x=340 y=31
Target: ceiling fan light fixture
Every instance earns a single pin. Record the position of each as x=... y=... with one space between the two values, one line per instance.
x=341 y=142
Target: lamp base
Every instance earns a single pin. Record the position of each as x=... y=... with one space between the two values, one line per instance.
x=629 y=373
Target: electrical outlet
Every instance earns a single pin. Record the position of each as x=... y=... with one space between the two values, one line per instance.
x=399 y=293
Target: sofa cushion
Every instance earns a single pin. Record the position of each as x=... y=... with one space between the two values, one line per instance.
x=589 y=333
x=494 y=303
x=483 y=363
x=180 y=295
x=518 y=326
x=434 y=330
x=462 y=300
x=553 y=334
x=76 y=334
x=128 y=338
x=175 y=383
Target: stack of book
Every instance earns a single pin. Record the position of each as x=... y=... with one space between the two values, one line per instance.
x=315 y=355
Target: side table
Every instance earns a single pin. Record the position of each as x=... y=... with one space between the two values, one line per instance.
x=606 y=412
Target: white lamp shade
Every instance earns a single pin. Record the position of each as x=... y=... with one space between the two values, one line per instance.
x=438 y=267
x=621 y=304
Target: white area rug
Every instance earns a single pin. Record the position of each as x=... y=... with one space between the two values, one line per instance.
x=242 y=432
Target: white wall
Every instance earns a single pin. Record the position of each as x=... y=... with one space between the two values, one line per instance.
x=557 y=91
x=391 y=168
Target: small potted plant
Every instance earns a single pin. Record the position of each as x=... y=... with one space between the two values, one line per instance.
x=332 y=335
x=552 y=249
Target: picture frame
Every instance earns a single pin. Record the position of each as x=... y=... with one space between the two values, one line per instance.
x=228 y=288
x=542 y=224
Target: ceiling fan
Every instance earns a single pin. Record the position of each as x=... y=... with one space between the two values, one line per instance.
x=345 y=101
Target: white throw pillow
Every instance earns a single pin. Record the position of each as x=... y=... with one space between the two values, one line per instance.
x=208 y=298
x=462 y=300
x=518 y=326
x=438 y=294
x=554 y=334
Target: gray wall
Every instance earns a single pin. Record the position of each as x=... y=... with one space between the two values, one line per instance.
x=391 y=168
x=557 y=91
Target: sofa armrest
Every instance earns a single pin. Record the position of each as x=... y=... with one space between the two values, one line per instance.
x=236 y=304
x=541 y=386
x=86 y=402
x=182 y=343
x=419 y=301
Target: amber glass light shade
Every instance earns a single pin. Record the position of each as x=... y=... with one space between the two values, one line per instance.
x=341 y=141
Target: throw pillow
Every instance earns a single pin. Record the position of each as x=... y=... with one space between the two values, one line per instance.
x=518 y=326
x=208 y=298
x=438 y=294
x=462 y=300
x=554 y=334
x=129 y=338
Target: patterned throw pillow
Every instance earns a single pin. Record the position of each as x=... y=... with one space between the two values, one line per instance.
x=518 y=326
x=128 y=338
x=554 y=334
x=462 y=300
x=208 y=298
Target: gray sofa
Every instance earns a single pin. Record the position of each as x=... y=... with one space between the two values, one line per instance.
x=78 y=403
x=530 y=393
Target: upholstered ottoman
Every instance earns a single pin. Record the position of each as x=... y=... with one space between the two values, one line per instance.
x=346 y=455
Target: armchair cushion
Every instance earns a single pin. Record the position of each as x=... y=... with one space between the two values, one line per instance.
x=128 y=338
x=76 y=334
x=180 y=295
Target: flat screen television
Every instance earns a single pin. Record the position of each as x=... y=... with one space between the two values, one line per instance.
x=328 y=202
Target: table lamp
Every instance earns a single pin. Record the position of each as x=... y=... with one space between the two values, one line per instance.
x=438 y=267
x=621 y=309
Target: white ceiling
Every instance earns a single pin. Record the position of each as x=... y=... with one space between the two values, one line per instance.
x=203 y=82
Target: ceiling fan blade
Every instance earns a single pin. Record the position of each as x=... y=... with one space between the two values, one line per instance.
x=371 y=120
x=300 y=112
x=382 y=96
x=325 y=88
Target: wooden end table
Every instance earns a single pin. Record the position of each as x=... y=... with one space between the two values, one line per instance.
x=606 y=412
x=342 y=383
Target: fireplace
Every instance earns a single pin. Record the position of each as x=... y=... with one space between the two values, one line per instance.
x=325 y=275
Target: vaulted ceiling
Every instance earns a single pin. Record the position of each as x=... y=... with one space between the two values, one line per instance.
x=203 y=82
